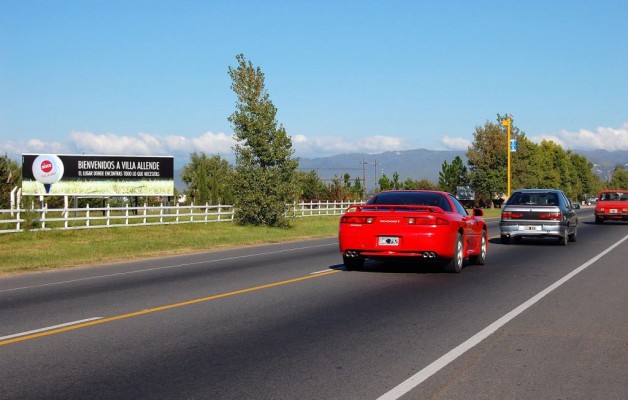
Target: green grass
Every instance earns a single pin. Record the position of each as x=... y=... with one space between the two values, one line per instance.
x=34 y=251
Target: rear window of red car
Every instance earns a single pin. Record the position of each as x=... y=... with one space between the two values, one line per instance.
x=411 y=198
x=614 y=196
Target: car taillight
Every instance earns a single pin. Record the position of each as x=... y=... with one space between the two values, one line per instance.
x=441 y=221
x=553 y=216
x=353 y=219
x=511 y=215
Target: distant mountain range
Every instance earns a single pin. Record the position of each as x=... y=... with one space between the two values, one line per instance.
x=416 y=164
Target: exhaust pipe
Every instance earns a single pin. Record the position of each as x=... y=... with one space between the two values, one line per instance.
x=429 y=254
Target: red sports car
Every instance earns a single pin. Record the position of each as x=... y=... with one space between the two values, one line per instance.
x=413 y=223
x=611 y=205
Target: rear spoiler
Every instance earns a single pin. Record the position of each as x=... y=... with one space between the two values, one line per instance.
x=396 y=207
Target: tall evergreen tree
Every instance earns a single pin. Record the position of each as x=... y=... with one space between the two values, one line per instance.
x=264 y=165
x=453 y=175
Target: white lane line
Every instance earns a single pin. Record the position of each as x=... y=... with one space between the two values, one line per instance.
x=48 y=328
x=165 y=267
x=321 y=272
x=439 y=364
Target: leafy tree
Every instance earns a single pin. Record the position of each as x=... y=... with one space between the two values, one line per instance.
x=619 y=178
x=395 y=184
x=425 y=184
x=526 y=164
x=309 y=186
x=453 y=175
x=553 y=157
x=357 y=190
x=488 y=160
x=408 y=184
x=264 y=165
x=10 y=177
x=209 y=179
x=384 y=183
x=590 y=183
x=336 y=189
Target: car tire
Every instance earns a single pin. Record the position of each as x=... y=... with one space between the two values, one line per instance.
x=353 y=263
x=455 y=263
x=480 y=259
x=505 y=239
x=599 y=220
x=574 y=236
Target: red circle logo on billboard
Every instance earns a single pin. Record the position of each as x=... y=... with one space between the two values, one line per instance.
x=46 y=166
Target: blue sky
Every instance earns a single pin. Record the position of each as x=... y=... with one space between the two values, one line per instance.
x=150 y=77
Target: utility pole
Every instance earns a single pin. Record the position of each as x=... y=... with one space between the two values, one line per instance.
x=375 y=164
x=506 y=123
x=364 y=173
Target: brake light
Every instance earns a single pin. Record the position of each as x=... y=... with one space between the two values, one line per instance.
x=553 y=216
x=351 y=219
x=511 y=215
x=426 y=221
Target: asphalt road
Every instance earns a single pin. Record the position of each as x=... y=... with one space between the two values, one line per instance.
x=286 y=321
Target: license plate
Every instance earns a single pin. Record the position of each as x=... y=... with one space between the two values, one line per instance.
x=613 y=211
x=530 y=228
x=388 y=241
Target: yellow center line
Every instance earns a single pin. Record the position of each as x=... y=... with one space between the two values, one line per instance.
x=160 y=308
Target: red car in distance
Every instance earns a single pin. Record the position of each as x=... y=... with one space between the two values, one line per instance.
x=421 y=224
x=611 y=205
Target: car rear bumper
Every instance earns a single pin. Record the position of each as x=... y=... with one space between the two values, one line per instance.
x=532 y=229
x=614 y=216
x=426 y=245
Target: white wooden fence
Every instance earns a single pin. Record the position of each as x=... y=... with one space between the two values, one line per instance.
x=18 y=220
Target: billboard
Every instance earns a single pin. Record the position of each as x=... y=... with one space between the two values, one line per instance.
x=97 y=175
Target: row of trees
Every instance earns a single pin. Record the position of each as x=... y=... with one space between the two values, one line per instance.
x=532 y=165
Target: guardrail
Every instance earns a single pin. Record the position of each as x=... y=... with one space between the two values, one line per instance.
x=39 y=219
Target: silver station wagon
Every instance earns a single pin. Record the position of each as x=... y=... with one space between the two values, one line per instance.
x=538 y=213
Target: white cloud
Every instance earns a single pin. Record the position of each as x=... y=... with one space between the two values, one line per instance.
x=603 y=138
x=455 y=143
x=212 y=143
x=110 y=143
x=15 y=149
x=147 y=144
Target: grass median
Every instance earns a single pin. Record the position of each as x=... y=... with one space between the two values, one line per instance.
x=43 y=250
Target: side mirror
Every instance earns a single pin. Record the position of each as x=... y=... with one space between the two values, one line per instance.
x=478 y=212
